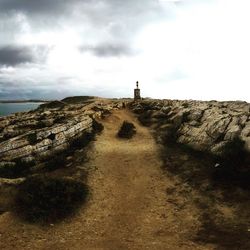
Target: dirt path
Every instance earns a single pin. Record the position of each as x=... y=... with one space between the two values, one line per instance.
x=128 y=208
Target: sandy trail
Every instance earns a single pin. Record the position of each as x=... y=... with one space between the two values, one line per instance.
x=128 y=207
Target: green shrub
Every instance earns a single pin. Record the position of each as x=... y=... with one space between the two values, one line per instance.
x=127 y=130
x=49 y=199
x=234 y=150
x=81 y=141
x=32 y=138
x=52 y=105
x=77 y=99
x=60 y=119
x=41 y=124
x=97 y=126
x=234 y=165
x=145 y=118
x=58 y=160
x=19 y=169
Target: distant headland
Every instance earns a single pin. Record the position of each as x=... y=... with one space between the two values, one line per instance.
x=24 y=101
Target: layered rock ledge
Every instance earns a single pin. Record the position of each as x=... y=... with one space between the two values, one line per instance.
x=208 y=126
x=33 y=137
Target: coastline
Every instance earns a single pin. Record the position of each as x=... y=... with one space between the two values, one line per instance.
x=24 y=101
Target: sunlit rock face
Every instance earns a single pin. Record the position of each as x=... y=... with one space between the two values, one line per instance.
x=204 y=126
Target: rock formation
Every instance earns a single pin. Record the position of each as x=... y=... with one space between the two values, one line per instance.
x=204 y=126
x=36 y=135
x=33 y=137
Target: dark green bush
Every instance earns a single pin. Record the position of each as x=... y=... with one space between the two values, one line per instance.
x=52 y=105
x=9 y=171
x=60 y=119
x=77 y=99
x=81 y=141
x=20 y=169
x=49 y=199
x=127 y=130
x=234 y=165
x=32 y=138
x=97 y=126
x=145 y=118
x=234 y=151
x=41 y=124
x=58 y=160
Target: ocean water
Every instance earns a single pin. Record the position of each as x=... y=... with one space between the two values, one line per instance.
x=9 y=108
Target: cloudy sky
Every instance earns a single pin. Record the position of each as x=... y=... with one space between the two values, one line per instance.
x=185 y=49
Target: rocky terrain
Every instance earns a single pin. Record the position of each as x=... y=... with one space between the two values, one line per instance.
x=164 y=188
x=30 y=138
x=204 y=126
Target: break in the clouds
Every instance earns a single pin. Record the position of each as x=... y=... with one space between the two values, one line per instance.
x=175 y=48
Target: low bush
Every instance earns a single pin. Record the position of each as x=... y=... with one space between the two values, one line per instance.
x=97 y=126
x=145 y=118
x=81 y=141
x=32 y=139
x=127 y=130
x=19 y=169
x=49 y=199
x=77 y=99
x=52 y=105
x=58 y=160
x=40 y=124
x=233 y=165
x=234 y=152
x=60 y=119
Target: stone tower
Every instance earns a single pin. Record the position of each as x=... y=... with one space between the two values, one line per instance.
x=137 y=92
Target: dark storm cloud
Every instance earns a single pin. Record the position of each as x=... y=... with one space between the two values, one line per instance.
x=12 y=56
x=106 y=28
x=15 y=55
x=37 y=6
x=118 y=18
x=43 y=6
x=95 y=12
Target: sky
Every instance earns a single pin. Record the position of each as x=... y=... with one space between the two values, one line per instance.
x=176 y=49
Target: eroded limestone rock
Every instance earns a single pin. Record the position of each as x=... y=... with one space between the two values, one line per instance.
x=204 y=126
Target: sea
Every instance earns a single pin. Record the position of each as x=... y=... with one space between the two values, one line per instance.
x=9 y=108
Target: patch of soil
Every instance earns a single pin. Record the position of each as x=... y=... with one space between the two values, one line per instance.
x=220 y=195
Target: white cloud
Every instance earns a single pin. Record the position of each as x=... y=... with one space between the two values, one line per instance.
x=187 y=49
x=209 y=44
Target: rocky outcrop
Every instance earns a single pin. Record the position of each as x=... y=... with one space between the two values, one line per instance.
x=43 y=141
x=36 y=135
x=204 y=126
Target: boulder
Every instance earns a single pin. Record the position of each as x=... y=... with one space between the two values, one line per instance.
x=195 y=115
x=177 y=119
x=217 y=127
x=232 y=132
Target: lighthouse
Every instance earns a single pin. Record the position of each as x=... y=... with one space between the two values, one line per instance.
x=137 y=92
